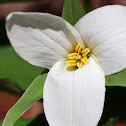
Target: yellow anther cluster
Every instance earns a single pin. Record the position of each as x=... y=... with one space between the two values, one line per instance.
x=79 y=57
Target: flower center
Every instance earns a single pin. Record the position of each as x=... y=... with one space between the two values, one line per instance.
x=79 y=57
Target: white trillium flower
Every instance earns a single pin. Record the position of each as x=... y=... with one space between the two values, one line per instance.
x=72 y=97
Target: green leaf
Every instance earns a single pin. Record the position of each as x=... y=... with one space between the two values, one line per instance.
x=16 y=69
x=72 y=11
x=22 y=122
x=118 y=79
x=112 y=122
x=31 y=95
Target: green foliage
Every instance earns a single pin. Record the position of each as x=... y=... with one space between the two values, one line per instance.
x=112 y=122
x=16 y=69
x=22 y=122
x=31 y=95
x=72 y=11
x=118 y=79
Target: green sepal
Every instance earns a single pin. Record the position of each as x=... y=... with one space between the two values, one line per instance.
x=117 y=79
x=72 y=11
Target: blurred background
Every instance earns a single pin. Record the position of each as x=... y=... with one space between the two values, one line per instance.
x=16 y=74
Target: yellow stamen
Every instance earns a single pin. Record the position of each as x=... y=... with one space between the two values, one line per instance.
x=79 y=57
x=73 y=55
x=79 y=64
x=84 y=52
x=78 y=48
x=85 y=60
x=72 y=62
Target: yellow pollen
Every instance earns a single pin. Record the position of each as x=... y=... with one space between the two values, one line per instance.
x=78 y=48
x=84 y=52
x=72 y=62
x=79 y=57
x=73 y=55
x=85 y=60
x=79 y=64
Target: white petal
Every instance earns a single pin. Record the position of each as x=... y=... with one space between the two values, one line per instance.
x=74 y=98
x=104 y=32
x=41 y=39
